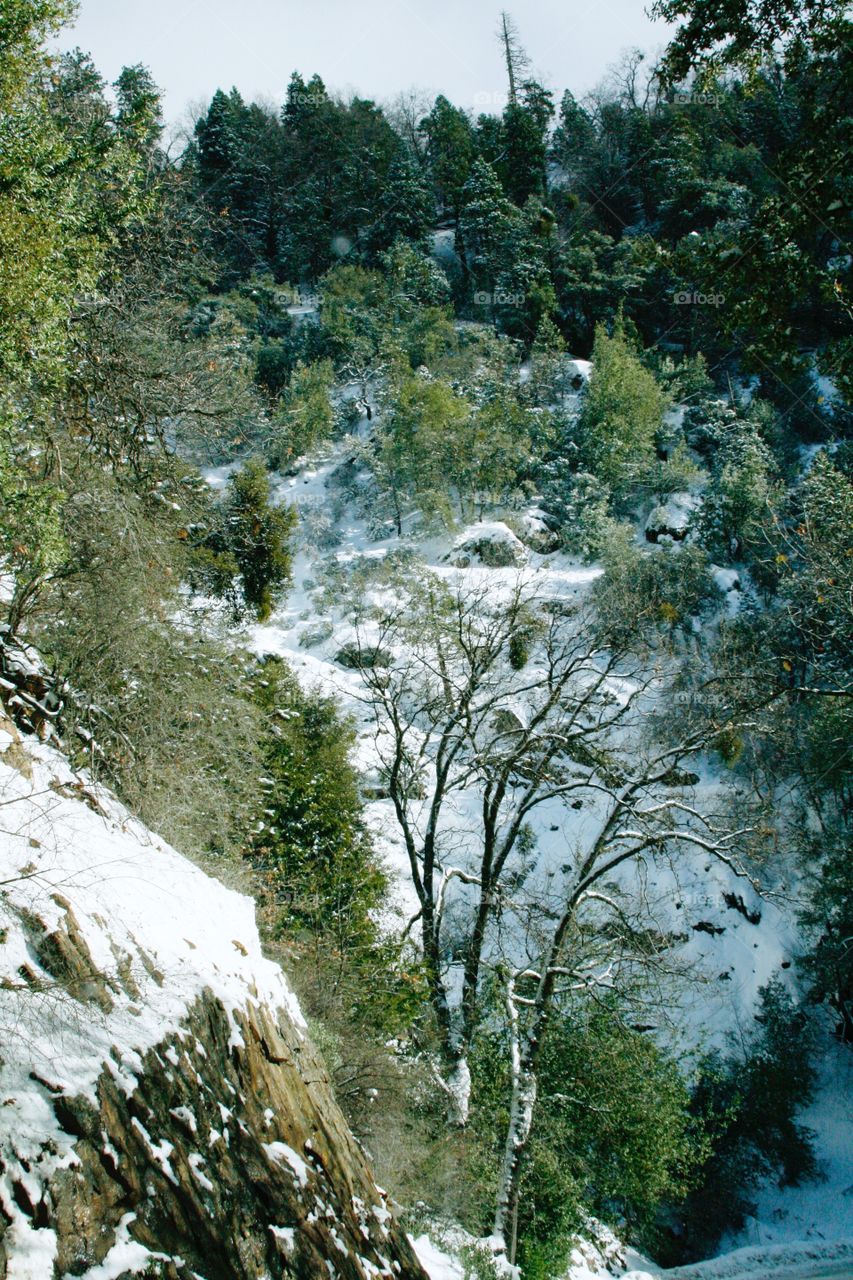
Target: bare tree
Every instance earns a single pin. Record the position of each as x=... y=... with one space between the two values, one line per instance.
x=515 y=57
x=406 y=113
x=598 y=933
x=498 y=714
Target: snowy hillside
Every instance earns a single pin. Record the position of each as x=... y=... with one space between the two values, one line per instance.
x=734 y=955
x=161 y=1103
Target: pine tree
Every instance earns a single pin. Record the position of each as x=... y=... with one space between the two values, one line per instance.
x=622 y=411
x=450 y=150
x=407 y=207
x=258 y=535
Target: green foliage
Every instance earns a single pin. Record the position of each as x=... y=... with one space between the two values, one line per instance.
x=609 y=1138
x=157 y=710
x=416 y=447
x=746 y=28
x=450 y=150
x=71 y=176
x=739 y=502
x=305 y=416
x=258 y=536
x=580 y=504
x=30 y=526
x=644 y=594
x=827 y=914
x=322 y=884
x=312 y=843
x=621 y=413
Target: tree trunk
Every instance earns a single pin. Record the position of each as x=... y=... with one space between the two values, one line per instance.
x=458 y=1089
x=518 y=1134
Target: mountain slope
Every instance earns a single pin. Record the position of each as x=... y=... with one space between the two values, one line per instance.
x=163 y=1111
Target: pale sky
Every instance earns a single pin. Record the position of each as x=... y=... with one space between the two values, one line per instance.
x=374 y=47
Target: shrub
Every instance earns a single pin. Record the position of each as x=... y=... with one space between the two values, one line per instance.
x=610 y=1137
x=305 y=417
x=621 y=413
x=162 y=709
x=643 y=592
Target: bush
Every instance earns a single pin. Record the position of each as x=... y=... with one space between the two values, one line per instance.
x=322 y=890
x=828 y=917
x=162 y=711
x=610 y=1135
x=305 y=417
x=737 y=512
x=643 y=592
x=582 y=505
x=621 y=413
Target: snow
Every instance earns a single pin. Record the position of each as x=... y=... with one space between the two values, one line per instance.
x=489 y=532
x=818 y=1211
x=774 y=1262
x=31 y=1252
x=581 y=368
x=68 y=849
x=437 y=1262
x=674 y=515
x=126 y=1257
x=281 y=1153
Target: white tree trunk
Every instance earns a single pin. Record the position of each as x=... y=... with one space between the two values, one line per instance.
x=524 y=1086
x=458 y=1088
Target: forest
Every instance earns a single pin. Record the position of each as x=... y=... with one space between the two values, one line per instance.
x=531 y=430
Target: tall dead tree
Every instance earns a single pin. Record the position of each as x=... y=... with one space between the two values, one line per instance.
x=517 y=62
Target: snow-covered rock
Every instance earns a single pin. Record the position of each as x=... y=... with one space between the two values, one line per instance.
x=492 y=543
x=160 y=1101
x=672 y=518
x=580 y=369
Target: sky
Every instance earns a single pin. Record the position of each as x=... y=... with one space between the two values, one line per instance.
x=377 y=48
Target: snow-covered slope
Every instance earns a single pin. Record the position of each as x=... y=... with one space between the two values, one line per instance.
x=160 y=1102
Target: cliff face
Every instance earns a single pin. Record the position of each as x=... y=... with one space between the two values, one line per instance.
x=162 y=1111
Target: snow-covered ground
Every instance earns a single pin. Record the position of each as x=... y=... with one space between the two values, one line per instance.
x=803 y=1261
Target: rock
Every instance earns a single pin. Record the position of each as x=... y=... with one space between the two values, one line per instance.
x=311 y=637
x=164 y=1111
x=493 y=544
x=672 y=519
x=705 y=926
x=362 y=657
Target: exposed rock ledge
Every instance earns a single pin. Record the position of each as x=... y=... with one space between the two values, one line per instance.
x=162 y=1111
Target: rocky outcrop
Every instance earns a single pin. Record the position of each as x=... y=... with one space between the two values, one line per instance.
x=162 y=1109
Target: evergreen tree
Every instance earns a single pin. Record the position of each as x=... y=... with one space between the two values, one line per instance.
x=525 y=136
x=407 y=206
x=258 y=536
x=450 y=151
x=622 y=411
